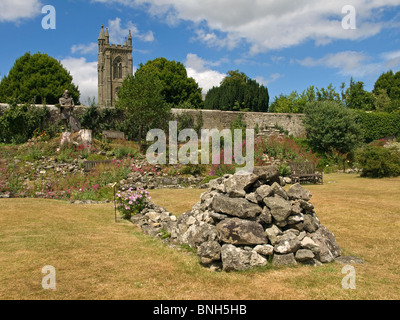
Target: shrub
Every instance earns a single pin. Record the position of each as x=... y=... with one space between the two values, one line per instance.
x=283 y=148
x=18 y=123
x=331 y=126
x=378 y=162
x=131 y=202
x=193 y=169
x=378 y=125
x=284 y=170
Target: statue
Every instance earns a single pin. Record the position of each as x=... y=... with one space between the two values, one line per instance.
x=66 y=112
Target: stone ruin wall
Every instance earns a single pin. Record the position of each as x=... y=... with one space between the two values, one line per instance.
x=293 y=123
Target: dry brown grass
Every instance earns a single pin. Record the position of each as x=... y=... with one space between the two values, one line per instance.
x=96 y=258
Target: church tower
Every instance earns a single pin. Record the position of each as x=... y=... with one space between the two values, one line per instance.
x=115 y=63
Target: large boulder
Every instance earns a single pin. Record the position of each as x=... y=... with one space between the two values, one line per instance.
x=238 y=207
x=241 y=232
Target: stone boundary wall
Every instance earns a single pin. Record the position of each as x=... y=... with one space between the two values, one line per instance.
x=293 y=123
x=217 y=119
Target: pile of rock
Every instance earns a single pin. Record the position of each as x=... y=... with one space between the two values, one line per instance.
x=245 y=221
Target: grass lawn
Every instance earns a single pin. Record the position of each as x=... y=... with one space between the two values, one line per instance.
x=96 y=258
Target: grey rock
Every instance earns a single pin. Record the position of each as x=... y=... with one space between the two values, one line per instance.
x=257 y=260
x=279 y=191
x=238 y=185
x=296 y=208
x=285 y=246
x=267 y=173
x=294 y=219
x=198 y=233
x=241 y=232
x=235 y=207
x=330 y=240
x=218 y=216
x=349 y=260
x=284 y=260
x=265 y=216
x=234 y=258
x=308 y=243
x=296 y=191
x=280 y=208
x=265 y=249
x=311 y=223
x=273 y=233
x=304 y=255
x=329 y=250
x=209 y=252
x=264 y=191
x=252 y=197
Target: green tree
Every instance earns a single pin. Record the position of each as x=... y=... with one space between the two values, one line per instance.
x=286 y=104
x=382 y=101
x=357 y=98
x=238 y=92
x=389 y=82
x=178 y=88
x=38 y=79
x=141 y=99
x=331 y=126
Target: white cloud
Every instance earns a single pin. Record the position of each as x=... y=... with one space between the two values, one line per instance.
x=353 y=63
x=272 y=78
x=15 y=10
x=199 y=69
x=268 y=24
x=84 y=75
x=392 y=59
x=84 y=48
x=118 y=33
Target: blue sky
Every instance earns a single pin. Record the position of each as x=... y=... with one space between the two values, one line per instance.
x=286 y=45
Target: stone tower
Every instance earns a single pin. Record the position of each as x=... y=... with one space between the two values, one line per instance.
x=115 y=63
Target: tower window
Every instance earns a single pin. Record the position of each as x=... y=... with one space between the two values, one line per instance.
x=117 y=69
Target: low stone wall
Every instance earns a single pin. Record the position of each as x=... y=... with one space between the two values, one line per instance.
x=293 y=123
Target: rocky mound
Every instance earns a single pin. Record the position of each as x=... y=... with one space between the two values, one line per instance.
x=245 y=221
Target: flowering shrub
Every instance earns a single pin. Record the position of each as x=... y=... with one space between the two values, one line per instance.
x=131 y=202
x=283 y=148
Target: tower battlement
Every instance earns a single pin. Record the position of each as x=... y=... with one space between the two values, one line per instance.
x=115 y=63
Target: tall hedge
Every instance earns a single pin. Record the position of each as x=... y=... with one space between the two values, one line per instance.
x=379 y=125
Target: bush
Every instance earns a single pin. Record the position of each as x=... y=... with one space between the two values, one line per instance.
x=19 y=123
x=377 y=161
x=331 y=126
x=193 y=169
x=378 y=125
x=131 y=202
x=283 y=148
